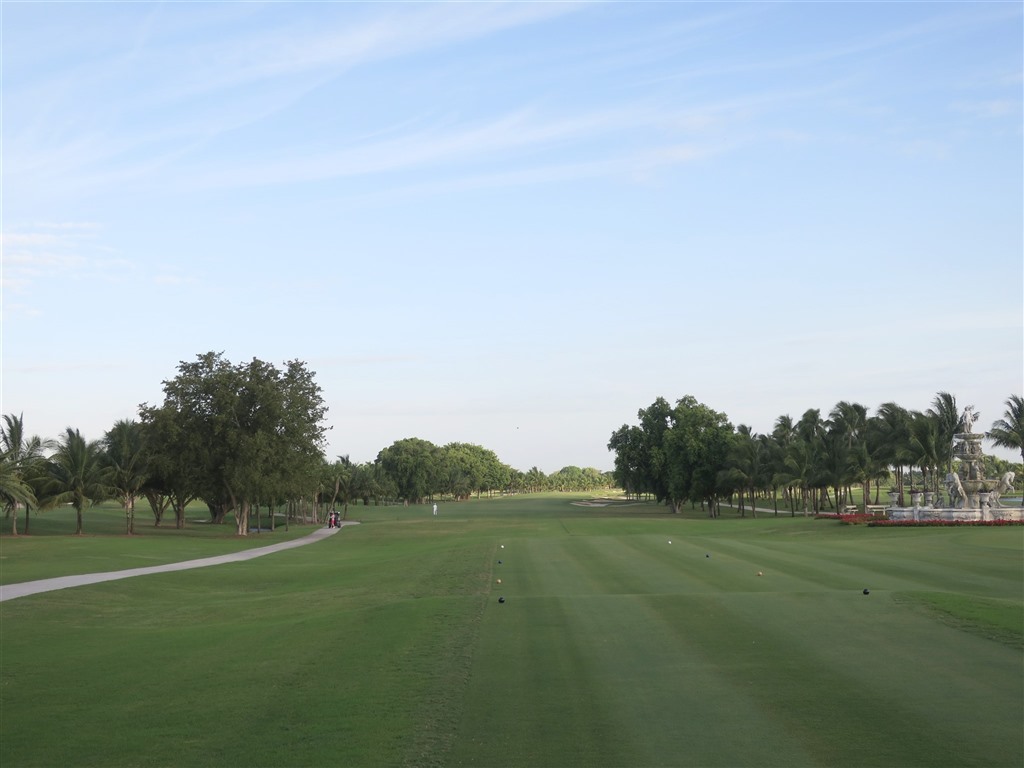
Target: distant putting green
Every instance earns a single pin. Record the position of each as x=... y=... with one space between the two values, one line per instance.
x=386 y=645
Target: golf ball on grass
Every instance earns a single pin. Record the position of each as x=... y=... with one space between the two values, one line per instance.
x=760 y=573
x=499 y=581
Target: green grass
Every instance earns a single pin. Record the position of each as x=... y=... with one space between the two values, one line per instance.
x=385 y=645
x=52 y=549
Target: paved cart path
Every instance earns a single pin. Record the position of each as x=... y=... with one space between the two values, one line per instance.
x=11 y=591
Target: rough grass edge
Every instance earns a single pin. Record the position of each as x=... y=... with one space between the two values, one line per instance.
x=961 y=612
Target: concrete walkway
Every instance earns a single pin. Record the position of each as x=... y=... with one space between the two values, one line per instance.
x=11 y=591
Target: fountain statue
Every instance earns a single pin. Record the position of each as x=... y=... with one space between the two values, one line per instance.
x=972 y=497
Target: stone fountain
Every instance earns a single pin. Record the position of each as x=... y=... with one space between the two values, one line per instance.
x=972 y=497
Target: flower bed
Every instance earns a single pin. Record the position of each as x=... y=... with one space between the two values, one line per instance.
x=856 y=518
x=882 y=523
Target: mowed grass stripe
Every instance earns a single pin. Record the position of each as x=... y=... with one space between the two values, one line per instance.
x=292 y=664
x=684 y=668
x=631 y=695
x=531 y=700
x=844 y=566
x=385 y=645
x=855 y=696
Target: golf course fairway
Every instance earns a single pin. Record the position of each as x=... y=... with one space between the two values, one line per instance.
x=628 y=637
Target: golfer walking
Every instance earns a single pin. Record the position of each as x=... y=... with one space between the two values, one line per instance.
x=435 y=510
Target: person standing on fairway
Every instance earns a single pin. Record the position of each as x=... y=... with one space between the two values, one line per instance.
x=435 y=510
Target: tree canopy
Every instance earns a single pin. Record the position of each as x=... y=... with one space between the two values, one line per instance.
x=688 y=452
x=248 y=431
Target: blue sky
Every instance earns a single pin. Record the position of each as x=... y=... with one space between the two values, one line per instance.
x=514 y=224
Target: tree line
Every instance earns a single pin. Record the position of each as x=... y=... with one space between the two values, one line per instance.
x=690 y=453
x=242 y=438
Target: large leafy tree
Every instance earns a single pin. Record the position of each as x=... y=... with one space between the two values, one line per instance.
x=414 y=466
x=631 y=470
x=1008 y=432
x=462 y=469
x=248 y=431
x=78 y=474
x=640 y=451
x=696 y=445
x=173 y=476
x=675 y=453
x=497 y=474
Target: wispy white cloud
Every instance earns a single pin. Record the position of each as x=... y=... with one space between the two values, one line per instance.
x=302 y=46
x=180 y=102
x=528 y=145
x=38 y=255
x=992 y=108
x=932 y=29
x=45 y=251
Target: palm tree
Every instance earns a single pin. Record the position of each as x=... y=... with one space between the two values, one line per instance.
x=925 y=447
x=948 y=421
x=341 y=475
x=878 y=464
x=846 y=424
x=860 y=467
x=802 y=468
x=812 y=430
x=744 y=467
x=1009 y=432
x=125 y=458
x=848 y=420
x=810 y=425
x=783 y=435
x=891 y=438
x=771 y=463
x=77 y=473
x=22 y=457
x=14 y=490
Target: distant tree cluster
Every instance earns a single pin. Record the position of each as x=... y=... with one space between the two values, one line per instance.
x=691 y=453
x=240 y=438
x=420 y=470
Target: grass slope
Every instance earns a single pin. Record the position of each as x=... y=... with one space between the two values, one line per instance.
x=385 y=645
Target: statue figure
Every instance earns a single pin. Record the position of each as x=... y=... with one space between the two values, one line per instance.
x=955 y=489
x=1005 y=483
x=970 y=416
